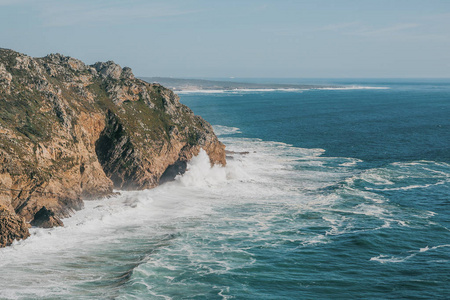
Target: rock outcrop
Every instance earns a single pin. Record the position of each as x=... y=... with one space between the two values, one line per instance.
x=70 y=131
x=12 y=227
x=46 y=219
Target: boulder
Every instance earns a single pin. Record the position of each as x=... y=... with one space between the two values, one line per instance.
x=108 y=69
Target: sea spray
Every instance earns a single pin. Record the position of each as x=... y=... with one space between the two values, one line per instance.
x=306 y=212
x=200 y=173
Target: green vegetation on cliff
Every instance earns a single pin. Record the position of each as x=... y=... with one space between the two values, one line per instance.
x=70 y=131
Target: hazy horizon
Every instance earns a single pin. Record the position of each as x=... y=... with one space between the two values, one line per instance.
x=280 y=78
x=242 y=39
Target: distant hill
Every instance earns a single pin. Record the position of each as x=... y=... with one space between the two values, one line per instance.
x=179 y=84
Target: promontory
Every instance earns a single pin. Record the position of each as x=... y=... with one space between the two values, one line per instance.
x=71 y=132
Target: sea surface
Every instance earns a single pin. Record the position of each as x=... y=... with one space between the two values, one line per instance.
x=330 y=194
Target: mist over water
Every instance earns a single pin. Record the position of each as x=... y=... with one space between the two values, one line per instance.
x=294 y=218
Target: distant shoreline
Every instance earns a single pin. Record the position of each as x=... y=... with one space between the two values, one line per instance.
x=179 y=84
x=185 y=86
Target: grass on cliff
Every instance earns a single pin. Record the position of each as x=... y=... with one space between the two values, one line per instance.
x=143 y=123
x=23 y=114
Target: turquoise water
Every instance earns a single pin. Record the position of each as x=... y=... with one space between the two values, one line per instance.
x=344 y=194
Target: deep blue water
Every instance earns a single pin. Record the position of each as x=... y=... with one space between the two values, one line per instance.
x=343 y=194
x=405 y=122
x=402 y=137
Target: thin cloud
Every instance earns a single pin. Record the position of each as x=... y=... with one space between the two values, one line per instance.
x=404 y=32
x=436 y=17
x=13 y=2
x=338 y=26
x=395 y=29
x=7 y=2
x=262 y=7
x=56 y=15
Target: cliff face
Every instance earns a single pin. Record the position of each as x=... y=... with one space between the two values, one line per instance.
x=69 y=131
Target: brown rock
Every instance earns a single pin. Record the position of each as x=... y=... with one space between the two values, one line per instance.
x=12 y=227
x=70 y=132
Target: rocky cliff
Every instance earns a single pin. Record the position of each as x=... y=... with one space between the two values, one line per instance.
x=70 y=131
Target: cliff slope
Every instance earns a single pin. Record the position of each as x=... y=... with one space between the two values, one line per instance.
x=70 y=131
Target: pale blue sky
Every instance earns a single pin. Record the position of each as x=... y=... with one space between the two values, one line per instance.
x=208 y=38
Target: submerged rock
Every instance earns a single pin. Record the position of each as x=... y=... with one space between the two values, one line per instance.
x=69 y=131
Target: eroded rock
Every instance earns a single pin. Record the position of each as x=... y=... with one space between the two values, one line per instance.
x=46 y=219
x=12 y=227
x=108 y=69
x=69 y=132
x=5 y=78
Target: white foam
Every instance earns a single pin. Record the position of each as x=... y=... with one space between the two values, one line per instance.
x=376 y=179
x=402 y=223
x=200 y=173
x=398 y=259
x=221 y=91
x=410 y=187
x=354 y=87
x=433 y=248
x=223 y=130
x=271 y=196
x=404 y=176
x=391 y=259
x=351 y=162
x=250 y=90
x=201 y=92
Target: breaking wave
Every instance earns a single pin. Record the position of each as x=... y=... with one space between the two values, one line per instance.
x=200 y=235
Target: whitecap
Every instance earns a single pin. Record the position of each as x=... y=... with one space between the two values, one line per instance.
x=353 y=87
x=297 y=90
x=409 y=187
x=271 y=196
x=398 y=259
x=224 y=130
x=240 y=90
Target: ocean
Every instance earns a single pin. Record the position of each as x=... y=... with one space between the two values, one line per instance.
x=328 y=194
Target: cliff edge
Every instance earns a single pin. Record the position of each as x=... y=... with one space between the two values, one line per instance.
x=70 y=131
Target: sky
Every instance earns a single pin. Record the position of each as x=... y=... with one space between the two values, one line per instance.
x=245 y=38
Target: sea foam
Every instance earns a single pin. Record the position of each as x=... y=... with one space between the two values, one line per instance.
x=210 y=222
x=296 y=90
